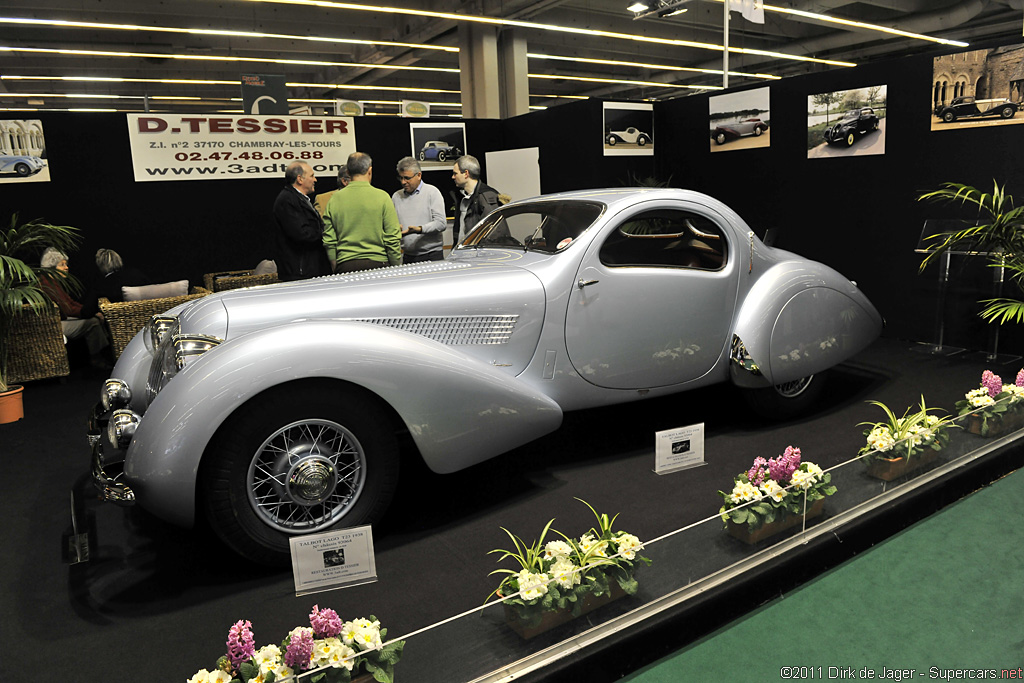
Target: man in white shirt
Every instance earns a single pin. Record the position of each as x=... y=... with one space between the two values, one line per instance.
x=420 y=210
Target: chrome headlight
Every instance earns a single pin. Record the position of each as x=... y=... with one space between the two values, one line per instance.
x=172 y=354
x=158 y=328
x=115 y=394
x=121 y=427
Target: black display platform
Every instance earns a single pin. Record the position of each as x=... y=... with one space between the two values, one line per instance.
x=167 y=596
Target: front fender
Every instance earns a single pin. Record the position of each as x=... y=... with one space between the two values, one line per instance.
x=458 y=410
x=800 y=318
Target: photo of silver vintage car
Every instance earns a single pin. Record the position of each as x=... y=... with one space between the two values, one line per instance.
x=21 y=164
x=970 y=108
x=275 y=411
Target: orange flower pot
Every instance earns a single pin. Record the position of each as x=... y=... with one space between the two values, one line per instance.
x=11 y=407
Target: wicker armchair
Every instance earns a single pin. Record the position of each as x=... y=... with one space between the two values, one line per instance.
x=126 y=318
x=235 y=279
x=37 y=346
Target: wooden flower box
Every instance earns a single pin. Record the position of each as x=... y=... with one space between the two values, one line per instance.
x=743 y=532
x=888 y=469
x=552 y=618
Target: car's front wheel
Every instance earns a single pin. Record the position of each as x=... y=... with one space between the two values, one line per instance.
x=642 y=140
x=786 y=400
x=1007 y=112
x=301 y=459
x=441 y=156
x=757 y=131
x=720 y=138
x=22 y=169
x=850 y=139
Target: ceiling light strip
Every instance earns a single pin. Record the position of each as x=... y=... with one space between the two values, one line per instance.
x=494 y=21
x=189 y=81
x=861 y=25
x=641 y=65
x=620 y=81
x=58 y=23
x=260 y=60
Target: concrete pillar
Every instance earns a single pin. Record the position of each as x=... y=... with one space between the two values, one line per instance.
x=478 y=66
x=515 y=82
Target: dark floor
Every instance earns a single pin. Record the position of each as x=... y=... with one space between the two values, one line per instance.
x=162 y=598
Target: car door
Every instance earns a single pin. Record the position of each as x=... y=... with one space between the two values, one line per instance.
x=654 y=298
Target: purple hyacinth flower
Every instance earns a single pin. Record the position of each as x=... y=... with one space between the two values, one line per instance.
x=241 y=644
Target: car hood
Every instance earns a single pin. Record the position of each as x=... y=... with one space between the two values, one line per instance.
x=476 y=306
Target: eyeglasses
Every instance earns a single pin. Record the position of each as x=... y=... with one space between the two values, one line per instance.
x=407 y=177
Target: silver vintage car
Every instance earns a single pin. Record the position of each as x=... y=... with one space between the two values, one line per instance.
x=274 y=411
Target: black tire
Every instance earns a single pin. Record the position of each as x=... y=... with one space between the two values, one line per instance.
x=441 y=156
x=316 y=454
x=22 y=169
x=948 y=116
x=720 y=138
x=423 y=157
x=612 y=140
x=757 y=131
x=874 y=125
x=786 y=400
x=1007 y=112
x=641 y=141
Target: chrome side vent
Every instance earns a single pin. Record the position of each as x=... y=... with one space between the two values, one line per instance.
x=457 y=330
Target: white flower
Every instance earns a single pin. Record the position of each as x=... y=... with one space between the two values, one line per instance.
x=557 y=549
x=804 y=480
x=915 y=435
x=772 y=489
x=565 y=573
x=591 y=545
x=219 y=676
x=282 y=671
x=931 y=420
x=744 y=492
x=367 y=636
x=532 y=585
x=351 y=631
x=343 y=656
x=267 y=656
x=979 y=398
x=202 y=676
x=628 y=544
x=881 y=439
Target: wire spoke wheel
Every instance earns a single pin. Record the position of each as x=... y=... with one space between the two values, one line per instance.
x=306 y=476
x=794 y=388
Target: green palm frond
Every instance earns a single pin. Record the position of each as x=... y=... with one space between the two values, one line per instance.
x=1000 y=225
x=1002 y=311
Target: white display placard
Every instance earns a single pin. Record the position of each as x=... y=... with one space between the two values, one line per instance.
x=228 y=147
x=679 y=449
x=335 y=559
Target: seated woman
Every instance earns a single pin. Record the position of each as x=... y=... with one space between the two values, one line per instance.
x=77 y=319
x=116 y=275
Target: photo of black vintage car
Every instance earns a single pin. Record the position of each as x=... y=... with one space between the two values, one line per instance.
x=968 y=107
x=855 y=122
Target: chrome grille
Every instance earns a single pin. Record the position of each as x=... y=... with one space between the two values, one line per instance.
x=454 y=330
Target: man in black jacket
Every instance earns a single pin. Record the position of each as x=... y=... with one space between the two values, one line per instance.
x=300 y=230
x=473 y=198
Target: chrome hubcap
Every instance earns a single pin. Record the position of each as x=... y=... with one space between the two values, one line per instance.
x=306 y=476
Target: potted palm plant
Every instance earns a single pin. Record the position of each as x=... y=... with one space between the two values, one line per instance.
x=21 y=243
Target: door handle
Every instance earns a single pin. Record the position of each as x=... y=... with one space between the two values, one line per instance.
x=586 y=283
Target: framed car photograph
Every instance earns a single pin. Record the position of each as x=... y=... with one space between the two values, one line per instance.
x=23 y=152
x=628 y=129
x=845 y=123
x=437 y=145
x=740 y=120
x=978 y=88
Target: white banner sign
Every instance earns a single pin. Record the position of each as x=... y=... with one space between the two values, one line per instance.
x=203 y=147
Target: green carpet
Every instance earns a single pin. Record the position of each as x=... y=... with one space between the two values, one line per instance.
x=945 y=593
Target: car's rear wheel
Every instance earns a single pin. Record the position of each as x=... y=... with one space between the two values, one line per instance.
x=305 y=458
x=423 y=157
x=1007 y=112
x=612 y=140
x=786 y=400
x=948 y=116
x=22 y=169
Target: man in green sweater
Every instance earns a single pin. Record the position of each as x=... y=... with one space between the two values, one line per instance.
x=361 y=228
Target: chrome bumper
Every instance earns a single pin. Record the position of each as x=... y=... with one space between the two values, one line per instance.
x=106 y=476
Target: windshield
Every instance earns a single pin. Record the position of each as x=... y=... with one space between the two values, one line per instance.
x=546 y=226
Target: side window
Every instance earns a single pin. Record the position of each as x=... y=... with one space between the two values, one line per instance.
x=667 y=238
